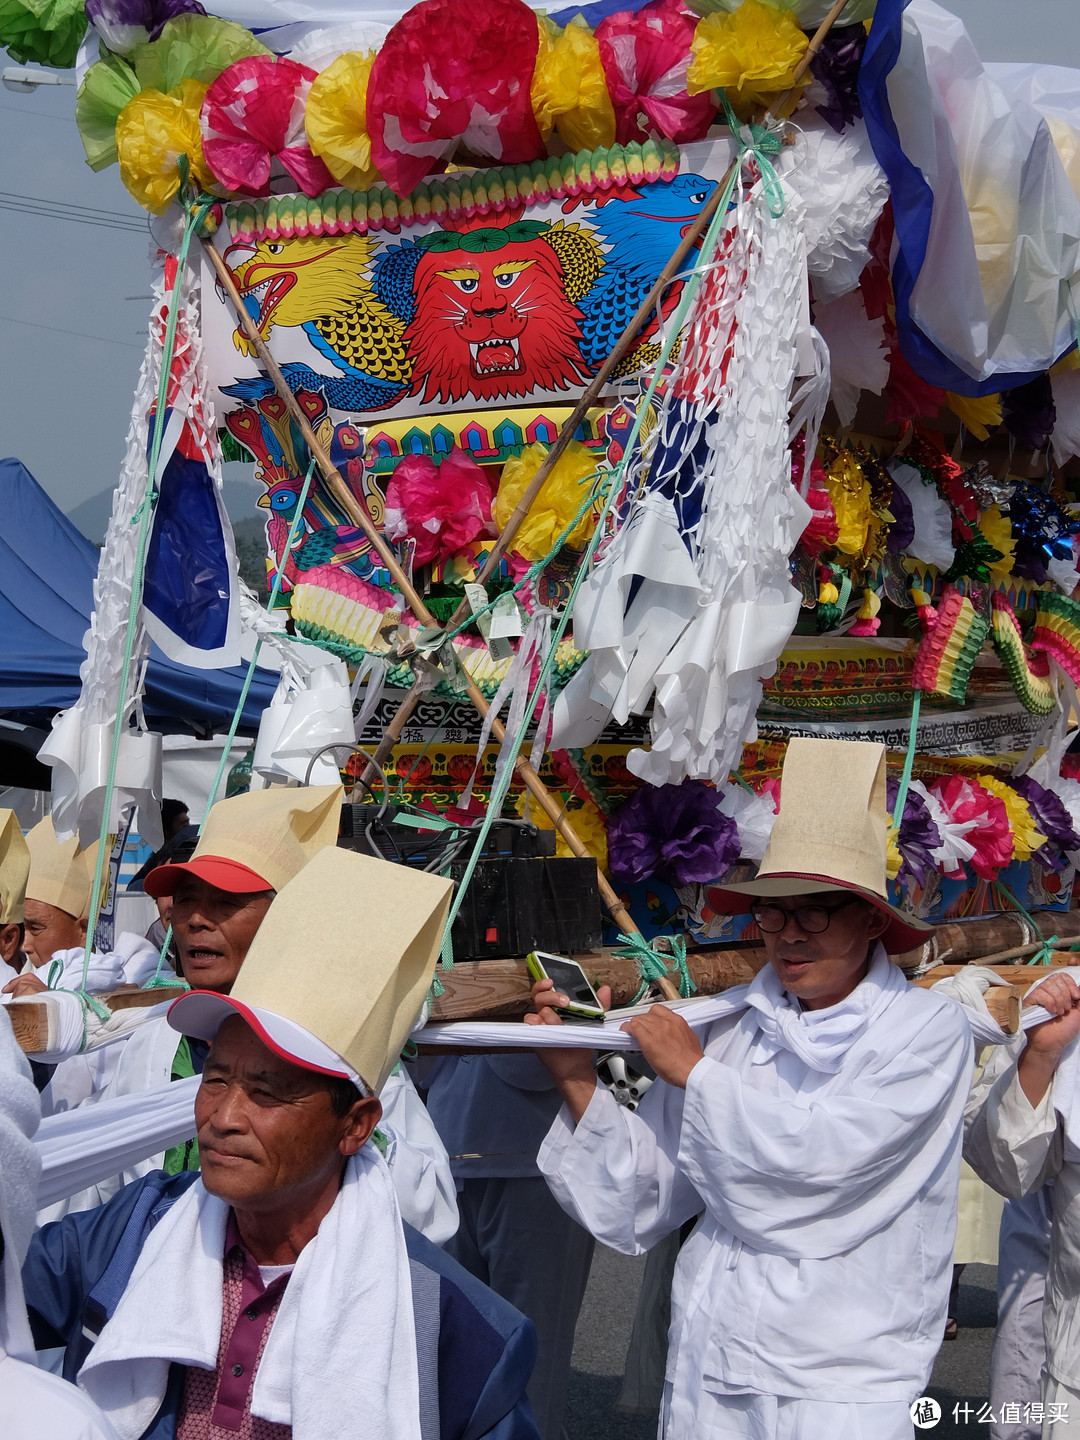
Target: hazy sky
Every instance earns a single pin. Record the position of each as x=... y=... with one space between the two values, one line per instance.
x=70 y=338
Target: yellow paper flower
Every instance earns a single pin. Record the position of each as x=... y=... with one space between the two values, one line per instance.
x=1027 y=837
x=849 y=492
x=561 y=496
x=569 y=92
x=336 y=119
x=893 y=858
x=978 y=414
x=997 y=531
x=754 y=46
x=587 y=821
x=153 y=131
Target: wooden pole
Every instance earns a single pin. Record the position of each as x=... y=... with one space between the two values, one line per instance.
x=362 y=520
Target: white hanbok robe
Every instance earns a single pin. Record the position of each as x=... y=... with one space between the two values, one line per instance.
x=821 y=1150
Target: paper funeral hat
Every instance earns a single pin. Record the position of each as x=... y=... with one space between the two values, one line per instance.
x=258 y=841
x=60 y=873
x=14 y=868
x=339 y=968
x=831 y=834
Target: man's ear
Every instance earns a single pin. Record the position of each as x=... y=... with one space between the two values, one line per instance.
x=359 y=1123
x=879 y=922
x=82 y=924
x=10 y=941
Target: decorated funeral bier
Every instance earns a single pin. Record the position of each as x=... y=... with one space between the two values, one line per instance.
x=631 y=389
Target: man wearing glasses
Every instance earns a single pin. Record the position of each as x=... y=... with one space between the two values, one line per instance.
x=814 y=1131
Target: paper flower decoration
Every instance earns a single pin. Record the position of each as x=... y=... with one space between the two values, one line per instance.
x=336 y=120
x=849 y=491
x=963 y=801
x=123 y=24
x=253 y=114
x=561 y=496
x=754 y=47
x=106 y=89
x=675 y=832
x=1029 y=413
x=569 y=93
x=192 y=47
x=453 y=73
x=587 y=821
x=47 y=32
x=836 y=69
x=911 y=847
x=1051 y=817
x=978 y=414
x=1026 y=835
x=152 y=133
x=997 y=532
x=646 y=57
x=442 y=507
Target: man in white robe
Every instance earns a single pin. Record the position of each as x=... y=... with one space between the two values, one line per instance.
x=815 y=1131
x=33 y=1404
x=1024 y=1130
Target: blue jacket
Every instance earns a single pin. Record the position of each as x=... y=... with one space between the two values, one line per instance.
x=475 y=1351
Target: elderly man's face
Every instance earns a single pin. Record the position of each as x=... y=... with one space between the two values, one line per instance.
x=49 y=929
x=214 y=930
x=268 y=1137
x=821 y=969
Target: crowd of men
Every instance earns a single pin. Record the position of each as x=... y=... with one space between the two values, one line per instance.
x=332 y=1252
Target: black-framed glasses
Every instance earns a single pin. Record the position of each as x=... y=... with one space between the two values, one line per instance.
x=811 y=919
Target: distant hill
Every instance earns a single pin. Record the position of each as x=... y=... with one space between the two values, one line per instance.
x=241 y=494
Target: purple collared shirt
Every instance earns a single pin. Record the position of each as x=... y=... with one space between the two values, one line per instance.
x=216 y=1404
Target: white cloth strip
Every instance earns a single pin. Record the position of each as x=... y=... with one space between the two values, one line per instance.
x=91 y=1143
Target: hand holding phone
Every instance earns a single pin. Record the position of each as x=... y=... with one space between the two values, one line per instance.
x=570 y=980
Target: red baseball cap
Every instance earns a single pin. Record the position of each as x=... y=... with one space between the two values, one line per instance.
x=201 y=1012
x=215 y=870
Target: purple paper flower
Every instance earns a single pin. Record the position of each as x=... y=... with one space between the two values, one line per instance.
x=674 y=832
x=902 y=530
x=836 y=68
x=1029 y=413
x=1051 y=817
x=918 y=835
x=123 y=24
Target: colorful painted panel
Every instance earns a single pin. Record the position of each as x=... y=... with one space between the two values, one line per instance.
x=472 y=303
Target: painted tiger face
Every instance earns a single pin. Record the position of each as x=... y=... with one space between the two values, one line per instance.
x=492 y=323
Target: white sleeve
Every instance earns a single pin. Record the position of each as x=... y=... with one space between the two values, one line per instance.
x=813 y=1180
x=1014 y=1146
x=616 y=1172
x=419 y=1164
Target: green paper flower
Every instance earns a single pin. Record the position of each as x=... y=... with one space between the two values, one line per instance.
x=47 y=32
x=192 y=47
x=106 y=88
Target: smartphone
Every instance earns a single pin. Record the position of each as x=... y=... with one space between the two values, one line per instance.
x=571 y=981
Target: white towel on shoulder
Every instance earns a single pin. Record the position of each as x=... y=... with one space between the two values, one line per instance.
x=341 y=1357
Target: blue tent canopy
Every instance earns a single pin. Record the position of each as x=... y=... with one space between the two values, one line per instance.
x=47 y=571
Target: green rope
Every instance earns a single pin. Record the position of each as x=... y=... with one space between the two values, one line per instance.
x=143 y=517
x=156 y=979
x=909 y=762
x=653 y=965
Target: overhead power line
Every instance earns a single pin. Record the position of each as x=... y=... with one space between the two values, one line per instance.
x=62 y=210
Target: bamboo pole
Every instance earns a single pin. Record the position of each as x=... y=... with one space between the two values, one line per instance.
x=359 y=516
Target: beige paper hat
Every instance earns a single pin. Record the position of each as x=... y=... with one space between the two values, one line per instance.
x=14 y=868
x=60 y=873
x=831 y=833
x=344 y=957
x=258 y=841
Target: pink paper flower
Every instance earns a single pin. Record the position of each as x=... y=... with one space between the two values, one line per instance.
x=254 y=112
x=646 y=55
x=442 y=507
x=453 y=75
